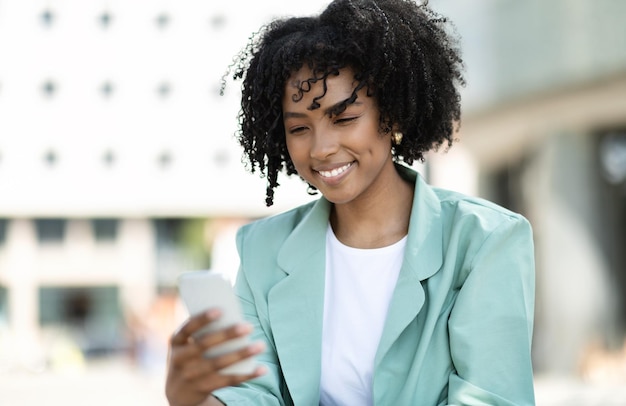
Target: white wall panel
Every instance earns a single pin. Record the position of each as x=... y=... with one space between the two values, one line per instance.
x=135 y=123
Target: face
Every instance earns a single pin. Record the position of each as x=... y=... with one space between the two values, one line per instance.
x=344 y=156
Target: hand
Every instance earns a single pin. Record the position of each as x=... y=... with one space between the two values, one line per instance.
x=190 y=376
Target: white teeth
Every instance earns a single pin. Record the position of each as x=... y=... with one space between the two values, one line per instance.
x=334 y=172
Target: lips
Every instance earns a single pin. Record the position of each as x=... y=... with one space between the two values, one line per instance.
x=335 y=172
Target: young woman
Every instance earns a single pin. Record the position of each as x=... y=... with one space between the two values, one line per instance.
x=385 y=291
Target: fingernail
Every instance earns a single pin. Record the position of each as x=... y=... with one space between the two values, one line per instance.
x=243 y=328
x=256 y=348
x=213 y=314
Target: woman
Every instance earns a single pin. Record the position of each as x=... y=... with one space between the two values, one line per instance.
x=384 y=291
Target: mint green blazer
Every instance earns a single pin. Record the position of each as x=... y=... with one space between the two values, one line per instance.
x=459 y=326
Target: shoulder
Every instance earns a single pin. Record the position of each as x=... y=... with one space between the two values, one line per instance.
x=481 y=235
x=478 y=213
x=277 y=223
x=473 y=227
x=273 y=229
x=460 y=214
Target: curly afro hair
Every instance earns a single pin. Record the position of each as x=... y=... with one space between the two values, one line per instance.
x=406 y=56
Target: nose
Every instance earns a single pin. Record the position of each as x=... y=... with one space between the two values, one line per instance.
x=325 y=144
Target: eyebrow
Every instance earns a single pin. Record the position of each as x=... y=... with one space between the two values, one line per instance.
x=327 y=110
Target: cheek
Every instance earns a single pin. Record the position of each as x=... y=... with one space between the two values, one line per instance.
x=290 y=148
x=295 y=151
x=300 y=158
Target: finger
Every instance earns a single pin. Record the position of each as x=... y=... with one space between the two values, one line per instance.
x=211 y=339
x=213 y=365
x=220 y=380
x=193 y=324
x=204 y=378
x=222 y=361
x=195 y=348
x=181 y=355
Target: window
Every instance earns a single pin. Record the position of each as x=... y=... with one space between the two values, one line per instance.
x=164 y=160
x=47 y=18
x=4 y=224
x=610 y=195
x=108 y=158
x=50 y=231
x=218 y=21
x=93 y=314
x=168 y=231
x=105 y=230
x=181 y=244
x=612 y=152
x=164 y=89
x=49 y=88
x=221 y=158
x=106 y=89
x=4 y=306
x=105 y=19
x=163 y=20
x=50 y=158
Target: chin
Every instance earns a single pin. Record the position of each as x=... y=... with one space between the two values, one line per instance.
x=334 y=199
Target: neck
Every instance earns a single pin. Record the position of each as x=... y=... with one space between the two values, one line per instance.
x=375 y=222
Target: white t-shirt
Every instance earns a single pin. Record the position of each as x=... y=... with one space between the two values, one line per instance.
x=358 y=288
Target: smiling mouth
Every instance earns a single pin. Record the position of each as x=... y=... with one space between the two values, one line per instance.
x=335 y=172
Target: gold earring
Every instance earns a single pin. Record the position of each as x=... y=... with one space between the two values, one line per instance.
x=397 y=137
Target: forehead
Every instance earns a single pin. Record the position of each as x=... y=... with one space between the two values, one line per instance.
x=305 y=83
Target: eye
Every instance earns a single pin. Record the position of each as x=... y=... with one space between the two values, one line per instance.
x=296 y=130
x=345 y=120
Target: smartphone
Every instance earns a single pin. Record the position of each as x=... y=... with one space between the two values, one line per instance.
x=205 y=289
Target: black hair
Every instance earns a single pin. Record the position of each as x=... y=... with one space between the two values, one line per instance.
x=406 y=55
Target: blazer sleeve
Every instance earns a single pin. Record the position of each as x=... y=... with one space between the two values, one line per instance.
x=265 y=390
x=491 y=323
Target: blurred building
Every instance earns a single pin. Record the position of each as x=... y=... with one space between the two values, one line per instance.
x=545 y=127
x=118 y=168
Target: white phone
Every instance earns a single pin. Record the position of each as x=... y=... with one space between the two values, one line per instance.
x=205 y=289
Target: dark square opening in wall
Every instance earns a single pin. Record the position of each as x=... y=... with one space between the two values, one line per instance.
x=91 y=315
x=4 y=225
x=105 y=230
x=50 y=231
x=4 y=305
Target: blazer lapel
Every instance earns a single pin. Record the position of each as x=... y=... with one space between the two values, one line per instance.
x=423 y=257
x=296 y=305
